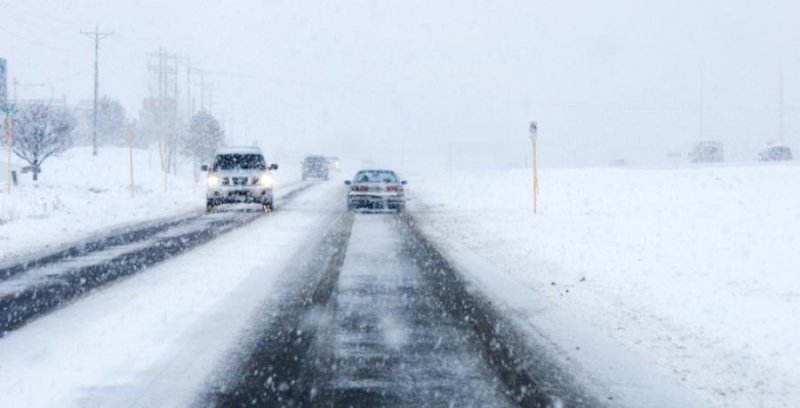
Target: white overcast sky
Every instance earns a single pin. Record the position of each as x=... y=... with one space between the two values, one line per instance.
x=420 y=81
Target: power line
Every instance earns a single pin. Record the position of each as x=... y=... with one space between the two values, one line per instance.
x=96 y=36
x=31 y=42
x=22 y=7
x=32 y=20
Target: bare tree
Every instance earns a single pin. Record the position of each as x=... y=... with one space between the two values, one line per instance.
x=41 y=131
x=205 y=136
x=148 y=125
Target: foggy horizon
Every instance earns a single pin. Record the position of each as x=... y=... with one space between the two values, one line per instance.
x=450 y=84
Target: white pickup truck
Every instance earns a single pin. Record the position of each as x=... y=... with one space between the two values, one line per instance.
x=239 y=175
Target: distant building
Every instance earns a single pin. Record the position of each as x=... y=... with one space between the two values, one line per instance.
x=3 y=83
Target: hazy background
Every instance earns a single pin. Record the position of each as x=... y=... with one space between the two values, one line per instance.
x=442 y=83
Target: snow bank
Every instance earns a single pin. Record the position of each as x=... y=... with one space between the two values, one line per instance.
x=691 y=271
x=78 y=194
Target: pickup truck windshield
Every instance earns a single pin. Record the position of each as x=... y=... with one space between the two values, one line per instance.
x=239 y=162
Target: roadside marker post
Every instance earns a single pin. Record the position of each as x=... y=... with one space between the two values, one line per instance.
x=131 y=137
x=534 y=130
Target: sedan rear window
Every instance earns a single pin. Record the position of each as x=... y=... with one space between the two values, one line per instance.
x=375 y=176
x=239 y=162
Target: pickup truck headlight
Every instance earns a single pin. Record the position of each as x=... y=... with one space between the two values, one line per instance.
x=265 y=180
x=213 y=181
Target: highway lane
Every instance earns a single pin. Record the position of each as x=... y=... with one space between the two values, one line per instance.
x=38 y=285
x=153 y=338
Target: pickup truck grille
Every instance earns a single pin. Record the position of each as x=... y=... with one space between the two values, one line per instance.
x=235 y=181
x=239 y=181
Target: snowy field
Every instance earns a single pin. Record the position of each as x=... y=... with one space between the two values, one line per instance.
x=78 y=195
x=641 y=279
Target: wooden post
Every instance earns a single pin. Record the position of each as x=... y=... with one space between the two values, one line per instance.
x=535 y=181
x=131 y=137
x=534 y=129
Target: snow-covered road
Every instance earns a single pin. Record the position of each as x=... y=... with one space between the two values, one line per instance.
x=35 y=285
x=153 y=339
x=170 y=335
x=386 y=341
x=311 y=304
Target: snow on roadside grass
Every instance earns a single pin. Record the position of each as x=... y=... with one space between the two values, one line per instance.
x=694 y=270
x=78 y=194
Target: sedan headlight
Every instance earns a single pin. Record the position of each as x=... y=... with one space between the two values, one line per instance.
x=213 y=181
x=265 y=180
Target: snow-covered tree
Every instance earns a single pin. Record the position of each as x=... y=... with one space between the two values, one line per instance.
x=41 y=131
x=110 y=122
x=205 y=136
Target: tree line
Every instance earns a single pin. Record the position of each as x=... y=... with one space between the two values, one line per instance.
x=42 y=131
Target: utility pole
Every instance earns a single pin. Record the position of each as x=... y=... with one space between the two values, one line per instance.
x=702 y=103
x=96 y=36
x=10 y=141
x=780 y=105
x=9 y=111
x=189 y=109
x=202 y=89
x=165 y=101
x=210 y=98
x=175 y=121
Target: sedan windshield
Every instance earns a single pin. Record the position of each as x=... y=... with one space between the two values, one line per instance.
x=239 y=162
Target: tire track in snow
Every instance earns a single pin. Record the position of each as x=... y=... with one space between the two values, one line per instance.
x=270 y=373
x=292 y=362
x=42 y=286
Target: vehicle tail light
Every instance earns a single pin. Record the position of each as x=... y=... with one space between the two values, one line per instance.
x=360 y=189
x=393 y=189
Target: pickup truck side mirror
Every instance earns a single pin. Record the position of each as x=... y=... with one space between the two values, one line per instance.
x=204 y=167
x=403 y=182
x=273 y=166
x=348 y=182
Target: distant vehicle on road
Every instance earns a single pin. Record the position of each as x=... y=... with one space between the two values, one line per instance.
x=239 y=175
x=334 y=163
x=315 y=167
x=707 y=152
x=376 y=190
x=776 y=153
